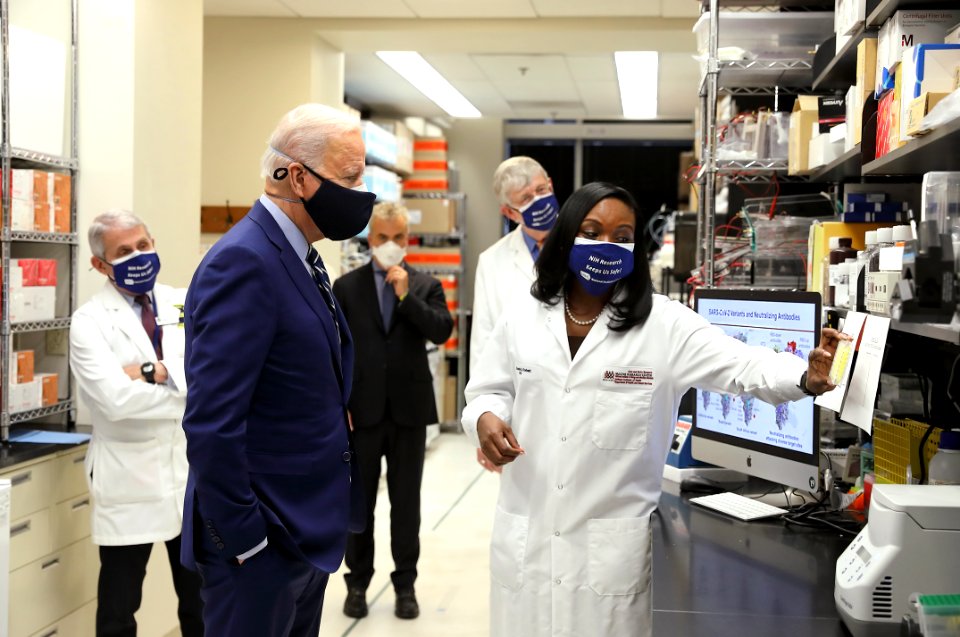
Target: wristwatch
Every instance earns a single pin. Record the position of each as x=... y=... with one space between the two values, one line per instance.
x=803 y=385
x=148 y=370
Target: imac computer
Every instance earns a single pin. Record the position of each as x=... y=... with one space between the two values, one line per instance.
x=779 y=443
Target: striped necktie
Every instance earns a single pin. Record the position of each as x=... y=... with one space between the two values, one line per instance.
x=322 y=280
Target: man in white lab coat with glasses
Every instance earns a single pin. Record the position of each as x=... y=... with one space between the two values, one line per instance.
x=126 y=351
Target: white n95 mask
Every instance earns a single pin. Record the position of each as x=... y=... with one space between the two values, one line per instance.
x=389 y=254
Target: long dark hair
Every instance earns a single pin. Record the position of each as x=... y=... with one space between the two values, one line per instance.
x=632 y=296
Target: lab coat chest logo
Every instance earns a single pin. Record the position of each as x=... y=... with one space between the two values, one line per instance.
x=627 y=377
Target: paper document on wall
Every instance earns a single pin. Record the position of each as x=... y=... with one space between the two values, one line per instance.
x=843 y=363
x=865 y=378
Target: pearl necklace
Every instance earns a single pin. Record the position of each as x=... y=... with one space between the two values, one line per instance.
x=577 y=321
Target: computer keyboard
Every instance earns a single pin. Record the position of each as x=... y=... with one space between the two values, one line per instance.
x=738 y=506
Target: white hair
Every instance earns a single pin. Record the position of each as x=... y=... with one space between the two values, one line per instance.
x=515 y=174
x=302 y=135
x=116 y=219
x=388 y=210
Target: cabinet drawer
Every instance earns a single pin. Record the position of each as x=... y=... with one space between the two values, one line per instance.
x=31 y=488
x=71 y=520
x=70 y=478
x=79 y=623
x=30 y=538
x=52 y=587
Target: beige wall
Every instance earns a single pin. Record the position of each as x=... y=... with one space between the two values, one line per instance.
x=139 y=102
x=255 y=70
x=476 y=148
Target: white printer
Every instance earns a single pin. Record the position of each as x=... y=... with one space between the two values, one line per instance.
x=911 y=544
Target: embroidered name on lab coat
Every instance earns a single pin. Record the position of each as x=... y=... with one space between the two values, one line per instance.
x=627 y=376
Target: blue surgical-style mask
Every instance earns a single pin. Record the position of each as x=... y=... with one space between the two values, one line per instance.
x=541 y=213
x=600 y=264
x=338 y=212
x=137 y=272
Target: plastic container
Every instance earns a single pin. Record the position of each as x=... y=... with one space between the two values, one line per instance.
x=941 y=202
x=939 y=615
x=859 y=277
x=847 y=270
x=945 y=465
x=838 y=256
x=884 y=240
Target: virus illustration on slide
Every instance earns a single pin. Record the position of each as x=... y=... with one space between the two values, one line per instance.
x=783 y=413
x=792 y=348
x=747 y=409
x=725 y=403
x=705 y=397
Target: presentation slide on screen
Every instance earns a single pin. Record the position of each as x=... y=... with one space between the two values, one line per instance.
x=782 y=327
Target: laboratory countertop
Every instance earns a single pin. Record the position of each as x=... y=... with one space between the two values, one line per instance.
x=716 y=576
x=15 y=453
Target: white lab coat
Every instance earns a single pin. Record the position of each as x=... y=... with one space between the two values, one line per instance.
x=137 y=456
x=504 y=270
x=570 y=550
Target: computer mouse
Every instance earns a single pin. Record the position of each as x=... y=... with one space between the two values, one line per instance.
x=699 y=484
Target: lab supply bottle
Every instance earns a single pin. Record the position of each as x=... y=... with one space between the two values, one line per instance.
x=842 y=289
x=826 y=280
x=945 y=465
x=859 y=277
x=843 y=251
x=872 y=291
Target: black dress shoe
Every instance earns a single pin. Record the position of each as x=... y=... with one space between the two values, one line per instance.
x=407 y=606
x=356 y=603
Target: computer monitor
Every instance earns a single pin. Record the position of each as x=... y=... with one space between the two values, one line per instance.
x=779 y=443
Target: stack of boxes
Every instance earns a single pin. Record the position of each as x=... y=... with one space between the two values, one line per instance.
x=33 y=290
x=40 y=201
x=29 y=389
x=429 y=166
x=916 y=67
x=872 y=207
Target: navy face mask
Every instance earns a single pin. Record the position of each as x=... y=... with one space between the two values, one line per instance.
x=600 y=264
x=137 y=272
x=541 y=213
x=339 y=213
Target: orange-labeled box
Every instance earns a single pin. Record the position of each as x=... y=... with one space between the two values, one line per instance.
x=50 y=388
x=23 y=362
x=43 y=216
x=61 y=217
x=62 y=188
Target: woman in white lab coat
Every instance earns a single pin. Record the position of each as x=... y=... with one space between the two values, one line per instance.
x=578 y=391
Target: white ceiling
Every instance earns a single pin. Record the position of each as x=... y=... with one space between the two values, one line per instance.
x=510 y=58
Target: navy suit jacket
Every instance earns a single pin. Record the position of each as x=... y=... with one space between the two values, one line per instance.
x=266 y=420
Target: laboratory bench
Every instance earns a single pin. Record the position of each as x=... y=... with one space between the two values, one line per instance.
x=716 y=576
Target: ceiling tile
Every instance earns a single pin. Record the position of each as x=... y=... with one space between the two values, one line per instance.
x=592 y=67
x=340 y=9
x=598 y=8
x=472 y=8
x=456 y=67
x=257 y=8
x=679 y=9
x=602 y=99
x=534 y=68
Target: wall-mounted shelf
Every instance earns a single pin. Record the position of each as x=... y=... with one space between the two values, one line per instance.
x=937 y=150
x=886 y=8
x=841 y=71
x=935 y=331
x=846 y=166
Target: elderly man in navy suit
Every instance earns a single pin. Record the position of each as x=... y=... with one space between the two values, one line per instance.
x=273 y=489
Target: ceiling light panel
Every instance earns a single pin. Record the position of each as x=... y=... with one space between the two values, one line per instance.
x=638 y=77
x=413 y=68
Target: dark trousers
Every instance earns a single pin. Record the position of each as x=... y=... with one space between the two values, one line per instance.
x=120 y=590
x=404 y=449
x=275 y=593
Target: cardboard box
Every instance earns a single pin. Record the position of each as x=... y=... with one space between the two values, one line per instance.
x=925 y=68
x=866 y=74
x=46 y=272
x=433 y=257
x=29 y=185
x=22 y=215
x=952 y=36
x=430 y=149
x=61 y=218
x=803 y=117
x=823 y=150
x=23 y=360
x=910 y=28
x=918 y=109
x=31 y=271
x=450 y=400
x=830 y=112
x=819 y=245
x=43 y=217
x=44 y=303
x=62 y=186
x=432 y=216
x=49 y=389
x=26 y=396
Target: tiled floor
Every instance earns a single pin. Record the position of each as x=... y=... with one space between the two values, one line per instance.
x=453 y=584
